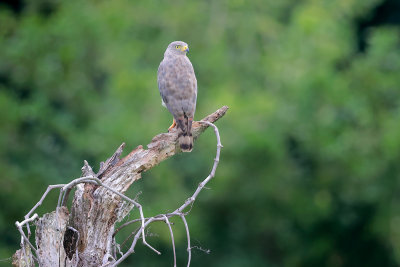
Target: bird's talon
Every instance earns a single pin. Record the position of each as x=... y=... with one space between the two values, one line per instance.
x=172 y=126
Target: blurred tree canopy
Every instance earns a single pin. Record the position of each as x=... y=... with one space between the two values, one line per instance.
x=309 y=173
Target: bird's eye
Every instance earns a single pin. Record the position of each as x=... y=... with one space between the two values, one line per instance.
x=177 y=46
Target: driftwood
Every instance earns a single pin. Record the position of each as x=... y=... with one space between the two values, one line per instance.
x=85 y=235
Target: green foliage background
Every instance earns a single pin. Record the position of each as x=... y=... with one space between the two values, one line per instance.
x=309 y=172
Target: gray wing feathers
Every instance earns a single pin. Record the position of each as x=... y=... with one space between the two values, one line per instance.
x=178 y=86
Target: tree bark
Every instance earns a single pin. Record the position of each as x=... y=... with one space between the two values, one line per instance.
x=84 y=237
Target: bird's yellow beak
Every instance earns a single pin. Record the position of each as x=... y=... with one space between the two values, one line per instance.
x=185 y=48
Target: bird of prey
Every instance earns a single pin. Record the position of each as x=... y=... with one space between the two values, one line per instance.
x=178 y=89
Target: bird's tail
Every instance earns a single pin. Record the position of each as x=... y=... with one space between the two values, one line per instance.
x=185 y=137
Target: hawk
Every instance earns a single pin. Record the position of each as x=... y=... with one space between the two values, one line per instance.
x=178 y=89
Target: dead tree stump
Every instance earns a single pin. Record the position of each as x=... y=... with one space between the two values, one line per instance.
x=84 y=236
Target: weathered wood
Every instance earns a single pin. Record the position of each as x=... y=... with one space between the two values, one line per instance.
x=95 y=209
x=23 y=257
x=49 y=235
x=87 y=238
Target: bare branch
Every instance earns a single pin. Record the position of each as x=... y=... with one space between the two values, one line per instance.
x=207 y=251
x=49 y=188
x=179 y=211
x=135 y=239
x=26 y=221
x=104 y=167
x=209 y=177
x=189 y=249
x=97 y=203
x=172 y=237
x=24 y=237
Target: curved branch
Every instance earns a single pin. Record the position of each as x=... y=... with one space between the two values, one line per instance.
x=99 y=203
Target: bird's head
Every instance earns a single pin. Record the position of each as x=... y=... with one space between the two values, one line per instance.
x=177 y=48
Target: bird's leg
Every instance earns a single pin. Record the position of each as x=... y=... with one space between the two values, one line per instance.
x=172 y=126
